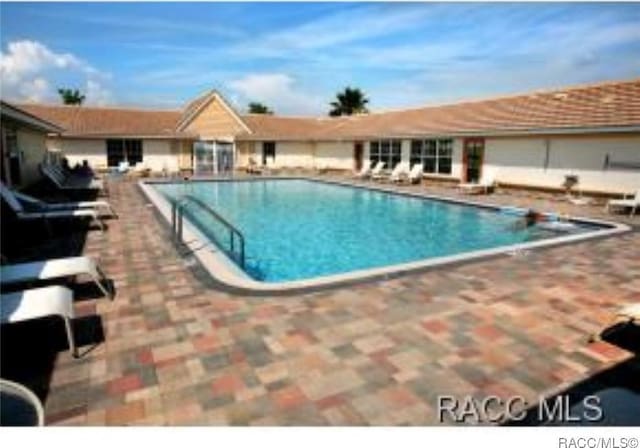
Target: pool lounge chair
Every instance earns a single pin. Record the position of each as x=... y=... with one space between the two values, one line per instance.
x=53 y=269
x=629 y=313
x=45 y=215
x=484 y=186
x=365 y=171
x=98 y=206
x=415 y=175
x=38 y=303
x=376 y=172
x=632 y=203
x=398 y=173
x=67 y=184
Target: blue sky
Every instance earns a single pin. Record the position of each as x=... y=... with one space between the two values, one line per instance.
x=295 y=57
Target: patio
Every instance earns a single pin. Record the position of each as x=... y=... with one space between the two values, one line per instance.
x=170 y=349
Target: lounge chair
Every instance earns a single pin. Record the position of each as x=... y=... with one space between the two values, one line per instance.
x=401 y=169
x=415 y=175
x=38 y=303
x=53 y=269
x=365 y=171
x=47 y=206
x=63 y=183
x=376 y=172
x=45 y=215
x=484 y=186
x=632 y=203
x=629 y=313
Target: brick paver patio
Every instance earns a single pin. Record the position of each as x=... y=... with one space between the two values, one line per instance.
x=176 y=351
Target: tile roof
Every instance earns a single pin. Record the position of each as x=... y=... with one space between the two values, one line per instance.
x=605 y=105
x=102 y=121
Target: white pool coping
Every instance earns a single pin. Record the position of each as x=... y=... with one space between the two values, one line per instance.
x=225 y=271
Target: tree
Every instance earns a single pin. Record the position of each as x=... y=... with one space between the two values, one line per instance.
x=259 y=108
x=71 y=96
x=349 y=102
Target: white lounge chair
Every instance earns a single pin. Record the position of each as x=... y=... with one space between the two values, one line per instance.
x=38 y=303
x=376 y=172
x=45 y=215
x=98 y=206
x=123 y=167
x=484 y=186
x=365 y=171
x=415 y=175
x=629 y=313
x=401 y=169
x=55 y=268
x=632 y=203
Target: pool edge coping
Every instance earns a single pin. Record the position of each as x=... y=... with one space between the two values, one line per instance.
x=227 y=274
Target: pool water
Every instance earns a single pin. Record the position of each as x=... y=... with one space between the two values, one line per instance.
x=299 y=229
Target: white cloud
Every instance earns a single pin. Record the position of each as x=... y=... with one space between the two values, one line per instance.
x=276 y=90
x=30 y=71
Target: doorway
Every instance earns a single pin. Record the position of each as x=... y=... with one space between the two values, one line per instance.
x=472 y=159
x=358 y=153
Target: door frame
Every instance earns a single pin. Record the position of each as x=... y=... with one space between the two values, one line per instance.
x=358 y=155
x=465 y=157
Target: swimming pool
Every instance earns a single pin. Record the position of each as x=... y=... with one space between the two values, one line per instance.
x=300 y=230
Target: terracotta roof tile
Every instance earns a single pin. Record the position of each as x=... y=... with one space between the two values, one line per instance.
x=605 y=105
x=99 y=121
x=613 y=104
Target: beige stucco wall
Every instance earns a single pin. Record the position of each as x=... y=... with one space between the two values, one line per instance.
x=158 y=155
x=33 y=148
x=336 y=155
x=522 y=161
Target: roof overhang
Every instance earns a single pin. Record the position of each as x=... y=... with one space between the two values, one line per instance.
x=13 y=113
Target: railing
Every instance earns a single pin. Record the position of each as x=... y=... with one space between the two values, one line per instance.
x=177 y=216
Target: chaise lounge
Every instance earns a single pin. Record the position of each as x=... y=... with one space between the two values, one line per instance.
x=632 y=203
x=44 y=214
x=38 y=303
x=53 y=269
x=485 y=185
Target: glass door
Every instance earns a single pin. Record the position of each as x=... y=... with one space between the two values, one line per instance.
x=473 y=157
x=224 y=157
x=203 y=155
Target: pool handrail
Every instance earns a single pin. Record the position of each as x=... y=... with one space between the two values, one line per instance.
x=177 y=216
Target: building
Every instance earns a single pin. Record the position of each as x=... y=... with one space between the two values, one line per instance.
x=23 y=145
x=530 y=140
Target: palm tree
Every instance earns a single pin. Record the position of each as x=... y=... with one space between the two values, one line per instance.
x=71 y=96
x=259 y=108
x=349 y=102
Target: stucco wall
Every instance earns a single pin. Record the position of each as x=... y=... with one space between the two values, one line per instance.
x=522 y=161
x=157 y=155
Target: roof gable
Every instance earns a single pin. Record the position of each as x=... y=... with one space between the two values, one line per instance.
x=209 y=114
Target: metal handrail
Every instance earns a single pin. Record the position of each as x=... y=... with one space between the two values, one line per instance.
x=177 y=214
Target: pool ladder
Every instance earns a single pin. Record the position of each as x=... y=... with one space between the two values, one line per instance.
x=178 y=208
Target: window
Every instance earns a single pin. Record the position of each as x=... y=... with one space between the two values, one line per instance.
x=387 y=151
x=121 y=150
x=268 y=152
x=435 y=155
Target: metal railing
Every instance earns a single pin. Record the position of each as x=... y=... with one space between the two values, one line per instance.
x=177 y=216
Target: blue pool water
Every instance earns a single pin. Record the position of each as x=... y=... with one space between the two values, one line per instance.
x=298 y=229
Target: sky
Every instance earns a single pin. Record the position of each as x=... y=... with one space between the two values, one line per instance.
x=295 y=57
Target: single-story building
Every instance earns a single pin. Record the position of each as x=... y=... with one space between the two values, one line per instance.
x=23 y=145
x=529 y=140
